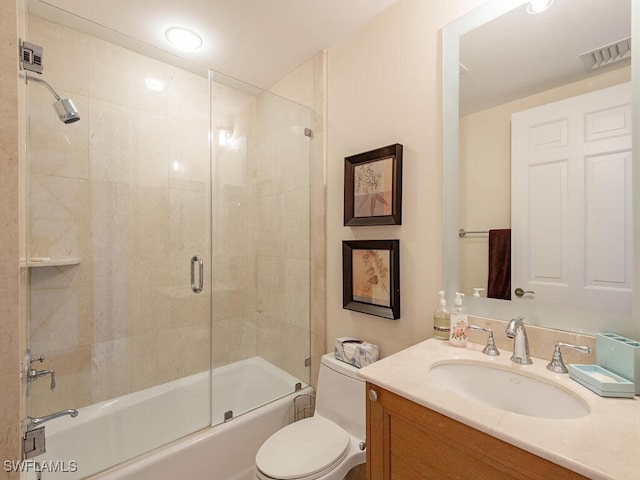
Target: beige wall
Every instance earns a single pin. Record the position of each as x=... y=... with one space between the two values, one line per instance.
x=384 y=87
x=485 y=171
x=10 y=332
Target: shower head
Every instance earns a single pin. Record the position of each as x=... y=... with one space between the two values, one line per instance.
x=64 y=107
x=66 y=110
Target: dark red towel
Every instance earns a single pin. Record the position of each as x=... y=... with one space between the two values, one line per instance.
x=499 y=284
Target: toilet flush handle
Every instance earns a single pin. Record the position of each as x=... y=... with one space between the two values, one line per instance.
x=373 y=395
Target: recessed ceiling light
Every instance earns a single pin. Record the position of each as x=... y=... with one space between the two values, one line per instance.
x=154 y=84
x=538 y=6
x=183 y=38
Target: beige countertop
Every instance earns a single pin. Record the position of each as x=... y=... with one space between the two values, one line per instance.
x=602 y=445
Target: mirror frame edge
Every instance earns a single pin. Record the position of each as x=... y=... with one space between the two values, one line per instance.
x=450 y=107
x=635 y=175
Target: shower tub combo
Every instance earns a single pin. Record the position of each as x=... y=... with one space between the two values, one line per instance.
x=116 y=430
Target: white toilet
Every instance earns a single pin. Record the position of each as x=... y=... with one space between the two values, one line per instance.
x=328 y=444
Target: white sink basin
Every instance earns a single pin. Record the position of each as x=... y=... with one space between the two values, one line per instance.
x=508 y=390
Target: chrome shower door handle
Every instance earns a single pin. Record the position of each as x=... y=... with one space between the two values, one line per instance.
x=197 y=288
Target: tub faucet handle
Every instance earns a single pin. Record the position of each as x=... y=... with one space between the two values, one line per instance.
x=33 y=374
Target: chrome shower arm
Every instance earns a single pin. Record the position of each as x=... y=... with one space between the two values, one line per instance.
x=39 y=80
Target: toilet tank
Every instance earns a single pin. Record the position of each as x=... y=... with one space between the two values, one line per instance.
x=340 y=396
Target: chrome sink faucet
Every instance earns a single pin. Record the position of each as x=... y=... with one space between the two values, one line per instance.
x=490 y=349
x=557 y=363
x=516 y=330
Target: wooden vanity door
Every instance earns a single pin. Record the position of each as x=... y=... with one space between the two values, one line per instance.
x=406 y=441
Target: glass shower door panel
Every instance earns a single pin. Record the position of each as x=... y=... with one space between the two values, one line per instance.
x=261 y=254
x=118 y=204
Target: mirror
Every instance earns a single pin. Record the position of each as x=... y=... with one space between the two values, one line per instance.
x=481 y=81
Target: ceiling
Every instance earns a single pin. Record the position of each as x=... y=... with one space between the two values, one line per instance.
x=255 y=41
x=520 y=54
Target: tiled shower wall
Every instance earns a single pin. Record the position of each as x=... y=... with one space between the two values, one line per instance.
x=126 y=191
x=282 y=233
x=261 y=218
x=11 y=246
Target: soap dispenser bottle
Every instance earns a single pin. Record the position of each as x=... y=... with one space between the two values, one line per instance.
x=476 y=292
x=441 y=319
x=459 y=324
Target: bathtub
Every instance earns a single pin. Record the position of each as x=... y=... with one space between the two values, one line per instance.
x=116 y=430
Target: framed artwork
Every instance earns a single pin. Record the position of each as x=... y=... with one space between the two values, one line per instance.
x=373 y=187
x=371 y=277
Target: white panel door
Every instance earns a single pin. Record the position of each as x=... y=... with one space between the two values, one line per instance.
x=571 y=201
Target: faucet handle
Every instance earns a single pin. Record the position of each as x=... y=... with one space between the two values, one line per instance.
x=490 y=349
x=34 y=374
x=557 y=364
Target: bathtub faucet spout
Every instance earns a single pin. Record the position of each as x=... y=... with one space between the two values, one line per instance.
x=33 y=422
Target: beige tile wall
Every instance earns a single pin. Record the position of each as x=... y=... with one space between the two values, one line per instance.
x=288 y=163
x=318 y=183
x=10 y=291
x=126 y=190
x=268 y=219
x=235 y=326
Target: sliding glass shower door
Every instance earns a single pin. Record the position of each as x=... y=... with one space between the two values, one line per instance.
x=119 y=212
x=169 y=233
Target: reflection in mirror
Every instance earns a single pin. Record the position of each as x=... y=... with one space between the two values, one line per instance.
x=566 y=232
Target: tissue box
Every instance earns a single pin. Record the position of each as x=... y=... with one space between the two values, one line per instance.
x=619 y=355
x=356 y=352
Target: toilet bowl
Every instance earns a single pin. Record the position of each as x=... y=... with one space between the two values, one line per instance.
x=328 y=444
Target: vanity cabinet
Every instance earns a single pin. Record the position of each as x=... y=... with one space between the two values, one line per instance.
x=406 y=441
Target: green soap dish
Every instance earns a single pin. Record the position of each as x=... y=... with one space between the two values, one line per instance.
x=602 y=381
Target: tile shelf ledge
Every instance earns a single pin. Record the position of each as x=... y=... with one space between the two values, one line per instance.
x=50 y=262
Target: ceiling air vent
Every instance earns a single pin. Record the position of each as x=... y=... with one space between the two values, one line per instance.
x=607 y=55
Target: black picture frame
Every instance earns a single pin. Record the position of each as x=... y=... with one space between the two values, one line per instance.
x=371 y=270
x=366 y=186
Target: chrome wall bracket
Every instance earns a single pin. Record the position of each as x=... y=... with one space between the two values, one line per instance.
x=30 y=57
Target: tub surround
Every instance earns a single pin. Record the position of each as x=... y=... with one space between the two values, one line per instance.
x=205 y=453
x=143 y=422
x=602 y=445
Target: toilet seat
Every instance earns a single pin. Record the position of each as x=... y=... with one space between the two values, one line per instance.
x=303 y=450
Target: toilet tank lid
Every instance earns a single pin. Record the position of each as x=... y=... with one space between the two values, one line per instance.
x=329 y=360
